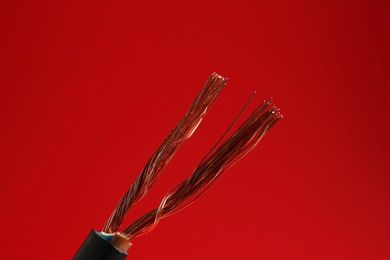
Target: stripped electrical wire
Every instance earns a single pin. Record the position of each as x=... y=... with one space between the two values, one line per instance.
x=185 y=128
x=242 y=141
x=221 y=157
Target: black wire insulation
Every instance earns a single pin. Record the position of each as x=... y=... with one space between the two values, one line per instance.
x=97 y=247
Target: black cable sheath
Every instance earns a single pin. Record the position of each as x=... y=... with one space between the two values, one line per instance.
x=97 y=247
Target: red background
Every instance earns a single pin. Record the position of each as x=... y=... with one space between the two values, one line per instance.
x=89 y=90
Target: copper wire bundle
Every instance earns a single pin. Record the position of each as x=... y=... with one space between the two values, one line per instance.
x=242 y=141
x=156 y=164
x=220 y=158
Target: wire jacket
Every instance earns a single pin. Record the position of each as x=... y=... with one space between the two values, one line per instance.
x=97 y=247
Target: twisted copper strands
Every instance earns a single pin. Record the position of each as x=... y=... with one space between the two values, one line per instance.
x=167 y=149
x=217 y=161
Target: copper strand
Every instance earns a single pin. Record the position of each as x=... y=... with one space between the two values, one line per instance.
x=153 y=168
x=241 y=142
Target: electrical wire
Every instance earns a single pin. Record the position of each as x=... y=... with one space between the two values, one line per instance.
x=113 y=245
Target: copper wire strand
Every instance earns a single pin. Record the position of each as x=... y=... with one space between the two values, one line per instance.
x=160 y=158
x=230 y=127
x=217 y=161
